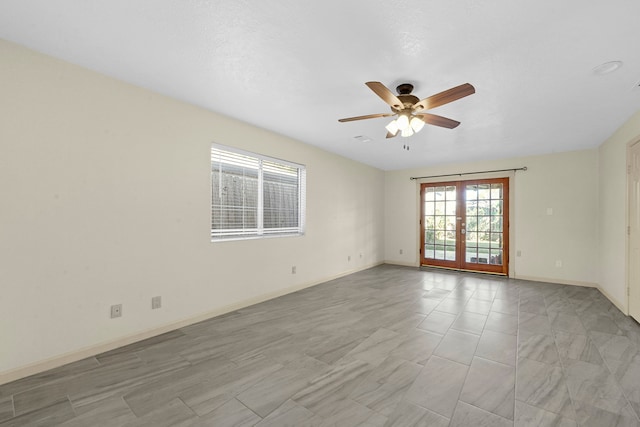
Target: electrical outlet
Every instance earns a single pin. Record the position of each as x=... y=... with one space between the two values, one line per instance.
x=518 y=253
x=401 y=251
x=293 y=270
x=558 y=263
x=349 y=258
x=156 y=302
x=360 y=255
x=116 y=311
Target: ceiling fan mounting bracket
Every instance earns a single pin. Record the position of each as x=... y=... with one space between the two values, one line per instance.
x=404 y=89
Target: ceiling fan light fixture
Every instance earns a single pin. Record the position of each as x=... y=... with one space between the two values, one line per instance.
x=407 y=132
x=392 y=127
x=403 y=122
x=416 y=124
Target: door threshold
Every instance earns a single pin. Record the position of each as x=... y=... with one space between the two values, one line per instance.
x=424 y=267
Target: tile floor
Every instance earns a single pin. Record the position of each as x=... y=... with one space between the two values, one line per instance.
x=389 y=346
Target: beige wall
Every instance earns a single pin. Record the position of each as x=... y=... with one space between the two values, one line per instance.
x=565 y=182
x=106 y=199
x=613 y=211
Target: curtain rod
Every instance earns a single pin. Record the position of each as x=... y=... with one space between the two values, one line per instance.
x=468 y=173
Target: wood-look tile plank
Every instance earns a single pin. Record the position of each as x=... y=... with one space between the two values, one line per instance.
x=152 y=395
x=437 y=322
x=458 y=346
x=324 y=392
x=449 y=377
x=56 y=413
x=290 y=414
x=60 y=374
x=173 y=414
x=232 y=413
x=467 y=415
x=490 y=386
x=544 y=386
x=272 y=391
x=6 y=408
x=112 y=412
x=498 y=347
x=531 y=416
x=410 y=415
x=386 y=385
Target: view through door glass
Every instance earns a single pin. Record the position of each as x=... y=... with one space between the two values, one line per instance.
x=464 y=225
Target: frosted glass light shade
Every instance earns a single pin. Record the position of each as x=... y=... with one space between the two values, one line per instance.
x=407 y=132
x=403 y=122
x=417 y=124
x=392 y=127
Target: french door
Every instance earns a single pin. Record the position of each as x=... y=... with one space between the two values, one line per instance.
x=465 y=225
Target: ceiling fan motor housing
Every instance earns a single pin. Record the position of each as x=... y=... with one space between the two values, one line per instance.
x=404 y=95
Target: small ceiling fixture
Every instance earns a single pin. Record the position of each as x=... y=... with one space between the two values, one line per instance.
x=607 y=68
x=408 y=108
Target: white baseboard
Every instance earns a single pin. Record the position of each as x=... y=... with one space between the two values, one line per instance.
x=401 y=264
x=622 y=307
x=559 y=281
x=83 y=353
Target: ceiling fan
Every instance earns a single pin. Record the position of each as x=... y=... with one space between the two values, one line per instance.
x=408 y=108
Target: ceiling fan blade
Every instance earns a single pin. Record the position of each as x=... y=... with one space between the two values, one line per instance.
x=392 y=135
x=386 y=95
x=369 y=116
x=445 y=97
x=432 y=119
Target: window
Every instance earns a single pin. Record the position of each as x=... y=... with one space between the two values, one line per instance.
x=254 y=195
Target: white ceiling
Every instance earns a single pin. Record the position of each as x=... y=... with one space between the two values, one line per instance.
x=295 y=67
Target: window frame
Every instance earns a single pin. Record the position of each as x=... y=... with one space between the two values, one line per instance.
x=219 y=235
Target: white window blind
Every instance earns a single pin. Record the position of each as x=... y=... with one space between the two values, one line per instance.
x=255 y=195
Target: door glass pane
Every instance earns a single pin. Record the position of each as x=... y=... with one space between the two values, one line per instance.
x=472 y=238
x=472 y=254
x=483 y=192
x=484 y=207
x=428 y=251
x=451 y=238
x=429 y=194
x=429 y=208
x=451 y=208
x=484 y=223
x=472 y=208
x=496 y=240
x=496 y=207
x=451 y=253
x=472 y=192
x=429 y=238
x=496 y=191
x=451 y=223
